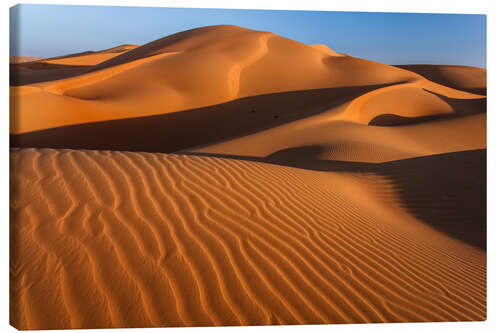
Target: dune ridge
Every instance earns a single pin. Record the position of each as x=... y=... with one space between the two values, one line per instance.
x=325 y=49
x=116 y=258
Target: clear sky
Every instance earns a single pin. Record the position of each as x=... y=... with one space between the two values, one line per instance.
x=391 y=38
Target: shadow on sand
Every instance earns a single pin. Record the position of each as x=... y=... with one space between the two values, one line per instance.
x=176 y=131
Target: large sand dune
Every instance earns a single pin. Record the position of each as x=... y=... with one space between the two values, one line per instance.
x=225 y=176
x=172 y=74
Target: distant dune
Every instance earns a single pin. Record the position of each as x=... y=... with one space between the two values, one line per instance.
x=30 y=70
x=226 y=176
x=465 y=78
x=21 y=59
x=90 y=58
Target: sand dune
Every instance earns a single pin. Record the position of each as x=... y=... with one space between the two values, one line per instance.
x=117 y=238
x=465 y=78
x=170 y=75
x=273 y=116
x=344 y=141
x=21 y=59
x=226 y=176
x=91 y=58
x=30 y=70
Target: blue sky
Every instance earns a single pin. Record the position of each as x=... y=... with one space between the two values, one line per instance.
x=391 y=38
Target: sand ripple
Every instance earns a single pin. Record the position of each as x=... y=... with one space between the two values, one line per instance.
x=114 y=239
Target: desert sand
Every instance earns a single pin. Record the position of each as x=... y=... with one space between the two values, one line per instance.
x=226 y=176
x=22 y=59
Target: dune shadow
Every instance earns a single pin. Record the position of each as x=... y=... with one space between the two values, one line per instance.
x=35 y=72
x=389 y=119
x=176 y=131
x=445 y=191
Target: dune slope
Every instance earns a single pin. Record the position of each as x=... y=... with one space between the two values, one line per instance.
x=471 y=79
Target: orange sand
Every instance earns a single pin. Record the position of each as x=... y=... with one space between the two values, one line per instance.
x=225 y=176
x=21 y=59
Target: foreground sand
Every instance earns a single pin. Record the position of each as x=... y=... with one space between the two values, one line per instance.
x=224 y=176
x=112 y=239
